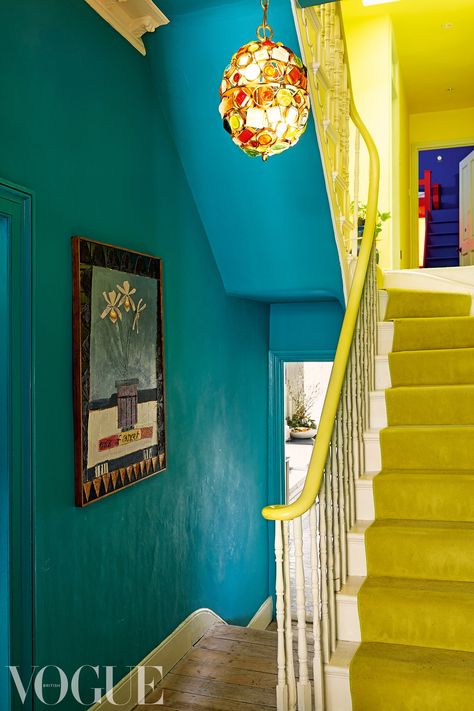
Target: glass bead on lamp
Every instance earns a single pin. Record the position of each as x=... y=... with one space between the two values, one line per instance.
x=264 y=99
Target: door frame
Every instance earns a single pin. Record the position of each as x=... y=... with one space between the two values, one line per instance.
x=276 y=434
x=415 y=149
x=16 y=204
x=461 y=205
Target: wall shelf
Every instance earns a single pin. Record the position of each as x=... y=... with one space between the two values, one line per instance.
x=131 y=18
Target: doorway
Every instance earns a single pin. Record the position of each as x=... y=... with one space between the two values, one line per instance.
x=305 y=387
x=16 y=549
x=436 y=211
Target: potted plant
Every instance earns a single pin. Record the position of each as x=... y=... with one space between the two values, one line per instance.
x=301 y=424
x=361 y=218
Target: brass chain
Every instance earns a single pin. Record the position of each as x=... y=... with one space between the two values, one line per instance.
x=264 y=28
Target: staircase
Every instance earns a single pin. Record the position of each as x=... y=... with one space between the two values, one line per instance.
x=442 y=239
x=416 y=604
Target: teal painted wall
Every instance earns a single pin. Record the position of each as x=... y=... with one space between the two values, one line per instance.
x=269 y=224
x=80 y=126
x=305 y=327
x=4 y=463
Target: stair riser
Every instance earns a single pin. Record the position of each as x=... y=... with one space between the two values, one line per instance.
x=433 y=262
x=365 y=510
x=378 y=410
x=348 y=625
x=382 y=304
x=437 y=449
x=384 y=337
x=382 y=373
x=444 y=252
x=444 y=227
x=444 y=554
x=425 y=497
x=357 y=562
x=445 y=214
x=417 y=618
x=338 y=691
x=440 y=240
x=373 y=459
x=430 y=406
x=443 y=367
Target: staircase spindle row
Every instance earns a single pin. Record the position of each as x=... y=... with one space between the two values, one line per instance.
x=311 y=533
x=320 y=535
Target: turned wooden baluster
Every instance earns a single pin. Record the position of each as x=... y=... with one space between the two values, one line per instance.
x=290 y=666
x=282 y=688
x=318 y=669
x=303 y=686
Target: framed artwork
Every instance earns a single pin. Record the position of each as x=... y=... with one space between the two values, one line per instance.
x=119 y=409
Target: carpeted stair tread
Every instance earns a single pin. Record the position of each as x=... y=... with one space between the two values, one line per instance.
x=408 y=611
x=418 y=334
x=416 y=606
x=403 y=303
x=395 y=677
x=434 y=550
x=430 y=405
x=432 y=367
x=428 y=447
x=425 y=495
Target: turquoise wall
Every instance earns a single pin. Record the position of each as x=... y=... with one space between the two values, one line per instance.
x=305 y=327
x=269 y=224
x=79 y=125
x=4 y=464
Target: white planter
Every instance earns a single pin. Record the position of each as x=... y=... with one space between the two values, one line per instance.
x=302 y=433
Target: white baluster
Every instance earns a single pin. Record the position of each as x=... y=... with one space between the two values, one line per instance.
x=282 y=688
x=330 y=543
x=342 y=495
x=332 y=464
x=324 y=576
x=290 y=666
x=303 y=685
x=318 y=670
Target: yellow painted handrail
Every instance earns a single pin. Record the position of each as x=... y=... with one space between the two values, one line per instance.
x=319 y=455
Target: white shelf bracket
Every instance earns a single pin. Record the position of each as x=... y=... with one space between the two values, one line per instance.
x=131 y=18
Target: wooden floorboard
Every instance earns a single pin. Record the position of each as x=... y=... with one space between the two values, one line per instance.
x=184 y=701
x=230 y=669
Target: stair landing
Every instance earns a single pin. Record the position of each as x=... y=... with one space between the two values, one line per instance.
x=229 y=669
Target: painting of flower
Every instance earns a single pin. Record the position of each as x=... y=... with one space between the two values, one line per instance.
x=118 y=369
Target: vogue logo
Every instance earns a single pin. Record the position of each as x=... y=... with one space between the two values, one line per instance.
x=51 y=685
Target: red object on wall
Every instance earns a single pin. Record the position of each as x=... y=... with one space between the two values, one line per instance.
x=428 y=195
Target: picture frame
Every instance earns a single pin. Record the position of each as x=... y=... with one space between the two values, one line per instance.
x=118 y=369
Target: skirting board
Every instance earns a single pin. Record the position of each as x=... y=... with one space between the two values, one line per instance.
x=171 y=651
x=263 y=616
x=166 y=655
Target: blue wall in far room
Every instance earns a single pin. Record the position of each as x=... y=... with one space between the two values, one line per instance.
x=445 y=171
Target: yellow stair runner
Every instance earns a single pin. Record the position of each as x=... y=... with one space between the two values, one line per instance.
x=417 y=605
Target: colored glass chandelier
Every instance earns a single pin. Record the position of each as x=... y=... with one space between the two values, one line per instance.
x=264 y=98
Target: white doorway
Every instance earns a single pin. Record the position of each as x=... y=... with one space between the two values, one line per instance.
x=305 y=390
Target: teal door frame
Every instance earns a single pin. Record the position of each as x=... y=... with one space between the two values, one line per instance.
x=276 y=434
x=16 y=519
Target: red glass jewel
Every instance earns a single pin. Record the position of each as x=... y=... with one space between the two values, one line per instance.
x=245 y=136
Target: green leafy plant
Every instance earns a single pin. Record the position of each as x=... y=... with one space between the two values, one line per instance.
x=362 y=216
x=302 y=402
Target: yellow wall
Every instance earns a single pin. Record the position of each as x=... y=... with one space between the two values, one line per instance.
x=442 y=126
x=380 y=97
x=404 y=175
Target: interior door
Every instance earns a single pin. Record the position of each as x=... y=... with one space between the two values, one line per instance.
x=466 y=210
